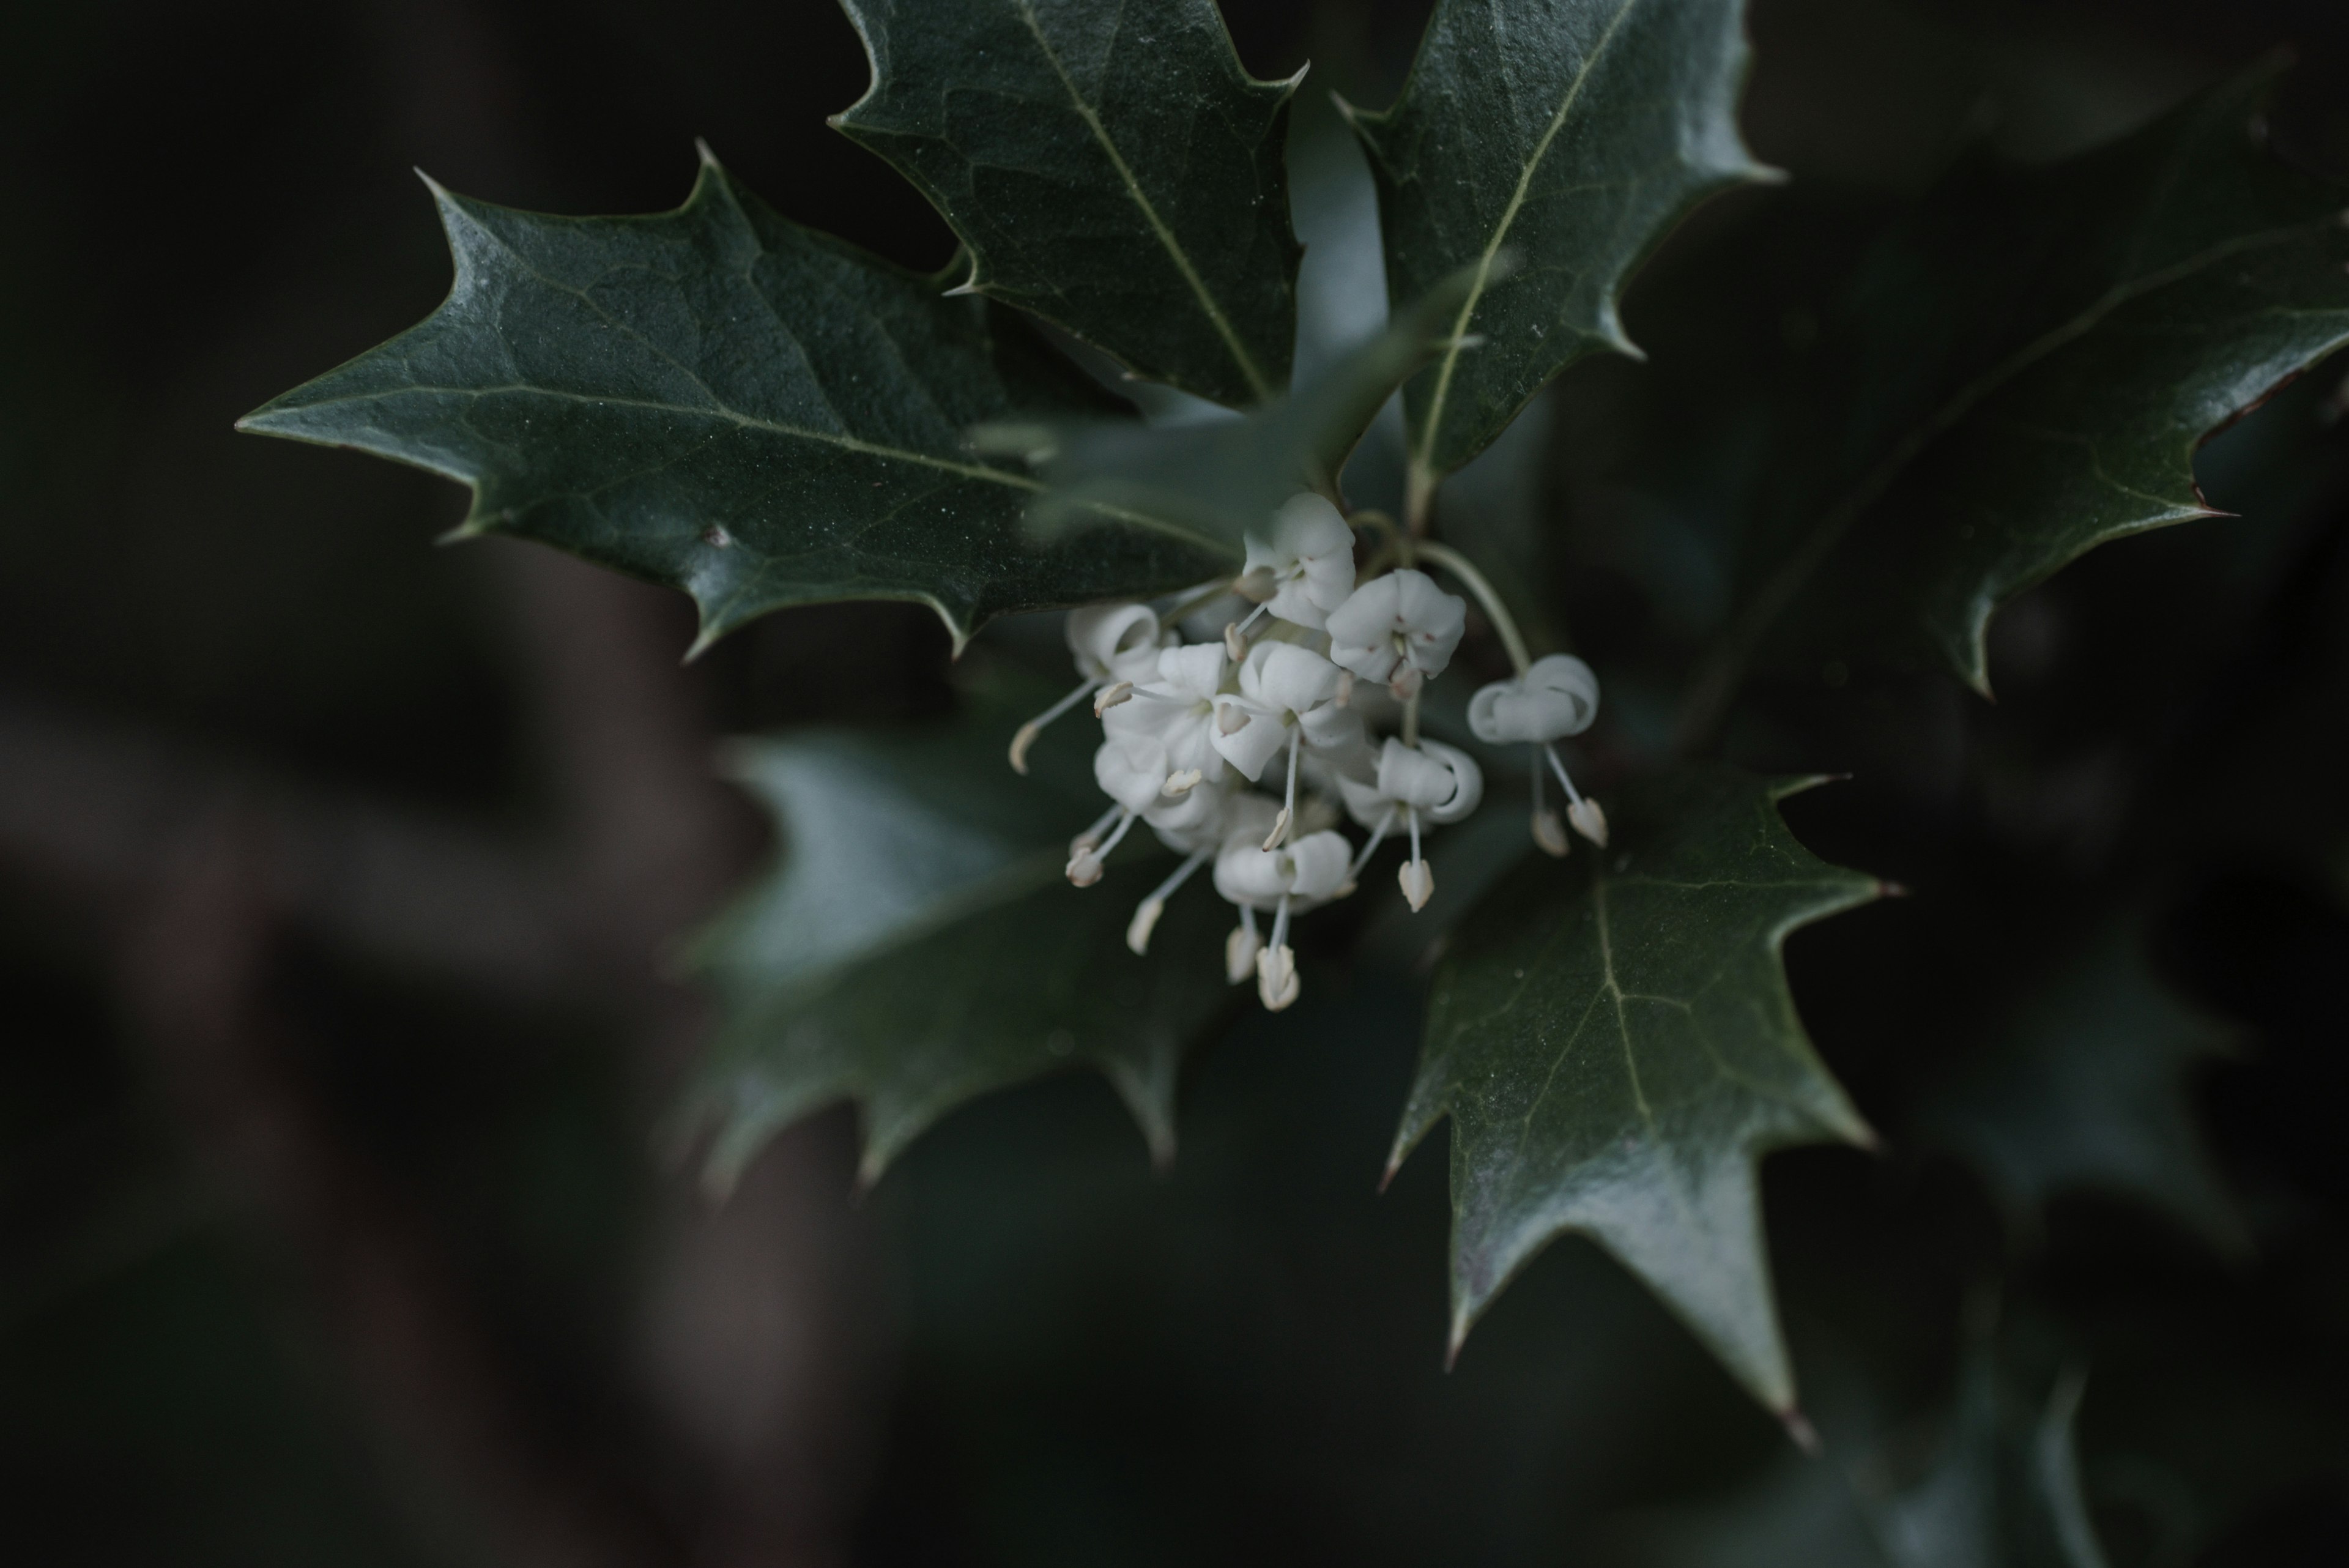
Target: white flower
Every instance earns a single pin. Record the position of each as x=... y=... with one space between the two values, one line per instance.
x=1431 y=780
x=1558 y=696
x=1309 y=567
x=1116 y=642
x=1284 y=690
x=1177 y=711
x=1399 y=628
x=1441 y=783
x=1308 y=871
x=1296 y=875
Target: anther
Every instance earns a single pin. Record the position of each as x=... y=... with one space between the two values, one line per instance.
x=1550 y=833
x=1589 y=821
x=1279 y=828
x=1418 y=879
x=1180 y=784
x=1109 y=697
x=1145 y=921
x=1020 y=742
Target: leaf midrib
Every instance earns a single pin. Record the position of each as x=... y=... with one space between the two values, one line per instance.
x=1422 y=461
x=1778 y=592
x=1261 y=388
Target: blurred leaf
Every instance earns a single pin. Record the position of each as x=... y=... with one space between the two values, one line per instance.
x=2002 y=1492
x=2086 y=1087
x=1209 y=484
x=1615 y=1044
x=718 y=399
x=920 y=945
x=1572 y=132
x=1117 y=173
x=2021 y=371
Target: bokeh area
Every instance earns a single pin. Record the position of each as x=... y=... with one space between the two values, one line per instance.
x=344 y=880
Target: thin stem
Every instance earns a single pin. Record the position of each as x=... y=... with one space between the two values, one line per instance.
x=1027 y=735
x=1572 y=794
x=1125 y=825
x=1247 y=923
x=1182 y=874
x=1100 y=825
x=1411 y=813
x=1378 y=836
x=1462 y=567
x=1411 y=720
x=1279 y=926
x=1289 y=806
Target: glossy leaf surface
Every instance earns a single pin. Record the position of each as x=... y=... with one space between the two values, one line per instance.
x=1571 y=134
x=2021 y=369
x=919 y=943
x=1614 y=1041
x=718 y=399
x=1111 y=168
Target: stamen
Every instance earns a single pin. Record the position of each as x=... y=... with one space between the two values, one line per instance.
x=1277 y=984
x=1180 y=784
x=1549 y=832
x=1109 y=697
x=1550 y=752
x=1589 y=821
x=1234 y=645
x=1092 y=835
x=1241 y=948
x=1085 y=859
x=1289 y=806
x=1378 y=836
x=1416 y=876
x=1231 y=719
x=1145 y=918
x=1125 y=825
x=1345 y=688
x=1035 y=726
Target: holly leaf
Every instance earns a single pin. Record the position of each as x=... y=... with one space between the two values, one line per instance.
x=1112 y=169
x=2002 y=1491
x=919 y=944
x=1211 y=483
x=2021 y=369
x=1573 y=133
x=1616 y=1046
x=2084 y=1087
x=718 y=399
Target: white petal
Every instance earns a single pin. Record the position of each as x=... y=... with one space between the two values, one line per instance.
x=1130 y=770
x=1253 y=744
x=1318 y=864
x=1103 y=636
x=1246 y=874
x=1467 y=777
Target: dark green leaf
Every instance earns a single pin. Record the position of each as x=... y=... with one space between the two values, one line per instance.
x=1572 y=132
x=1211 y=483
x=919 y=944
x=718 y=400
x=1111 y=168
x=2003 y=1491
x=1615 y=1044
x=2086 y=1087
x=2021 y=371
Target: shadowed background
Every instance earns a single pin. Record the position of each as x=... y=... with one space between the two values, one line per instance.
x=338 y=872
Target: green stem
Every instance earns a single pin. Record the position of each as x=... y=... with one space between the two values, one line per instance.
x=1462 y=567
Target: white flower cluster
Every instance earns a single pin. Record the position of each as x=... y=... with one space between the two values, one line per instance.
x=1190 y=729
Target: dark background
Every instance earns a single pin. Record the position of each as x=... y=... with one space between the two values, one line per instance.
x=337 y=873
